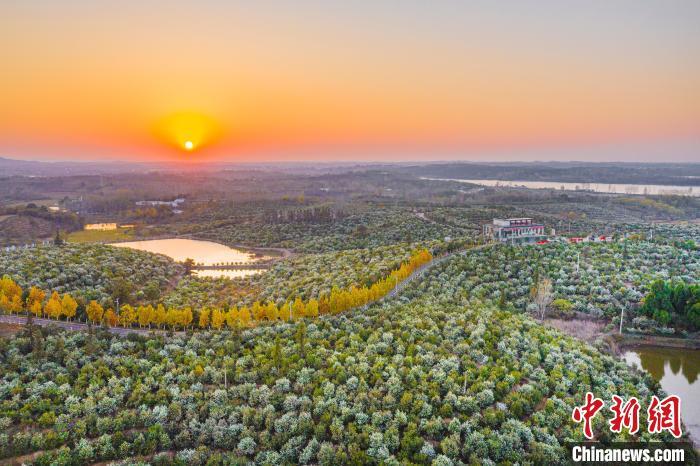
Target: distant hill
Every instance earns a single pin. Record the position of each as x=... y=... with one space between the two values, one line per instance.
x=13 y=167
x=575 y=172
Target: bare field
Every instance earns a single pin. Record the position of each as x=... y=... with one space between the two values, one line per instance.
x=587 y=330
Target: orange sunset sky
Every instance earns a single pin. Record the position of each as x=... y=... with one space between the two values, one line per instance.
x=361 y=80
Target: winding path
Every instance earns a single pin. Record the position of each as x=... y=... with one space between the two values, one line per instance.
x=76 y=326
x=421 y=270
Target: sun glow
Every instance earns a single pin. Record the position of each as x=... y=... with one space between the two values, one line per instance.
x=188 y=131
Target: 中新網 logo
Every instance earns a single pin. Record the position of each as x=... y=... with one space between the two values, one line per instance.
x=662 y=415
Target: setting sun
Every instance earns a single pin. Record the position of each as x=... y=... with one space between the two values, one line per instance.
x=187 y=130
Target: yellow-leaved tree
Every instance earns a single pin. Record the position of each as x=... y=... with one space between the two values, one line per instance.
x=271 y=312
x=111 y=318
x=145 y=315
x=298 y=309
x=172 y=318
x=127 y=315
x=258 y=311
x=232 y=318
x=94 y=311
x=34 y=300
x=53 y=306
x=312 y=308
x=186 y=317
x=244 y=316
x=69 y=306
x=10 y=295
x=204 y=318
x=217 y=319
x=160 y=316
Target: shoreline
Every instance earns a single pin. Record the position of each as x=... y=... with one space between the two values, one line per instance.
x=627 y=341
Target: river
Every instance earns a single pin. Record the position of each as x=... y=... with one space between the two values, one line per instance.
x=677 y=372
x=613 y=188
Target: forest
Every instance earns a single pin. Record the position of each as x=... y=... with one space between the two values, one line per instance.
x=388 y=330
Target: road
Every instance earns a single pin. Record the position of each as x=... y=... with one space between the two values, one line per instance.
x=421 y=270
x=76 y=326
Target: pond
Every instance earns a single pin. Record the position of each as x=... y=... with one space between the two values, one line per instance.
x=202 y=252
x=677 y=372
x=225 y=273
x=651 y=189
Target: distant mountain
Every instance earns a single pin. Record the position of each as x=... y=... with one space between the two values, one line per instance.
x=13 y=167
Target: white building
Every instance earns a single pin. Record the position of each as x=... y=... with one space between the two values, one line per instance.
x=516 y=230
x=174 y=203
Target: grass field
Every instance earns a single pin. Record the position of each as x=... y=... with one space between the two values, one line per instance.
x=91 y=236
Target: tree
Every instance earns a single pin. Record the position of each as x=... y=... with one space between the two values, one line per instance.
x=111 y=318
x=204 y=318
x=160 y=316
x=186 y=317
x=324 y=306
x=271 y=312
x=57 y=240
x=189 y=266
x=298 y=309
x=563 y=305
x=68 y=306
x=232 y=317
x=217 y=319
x=35 y=308
x=312 y=308
x=127 y=315
x=53 y=306
x=672 y=301
x=10 y=295
x=693 y=316
x=121 y=290
x=502 y=299
x=258 y=311
x=301 y=339
x=35 y=299
x=542 y=296
x=94 y=311
x=145 y=315
x=244 y=316
x=277 y=354
x=172 y=318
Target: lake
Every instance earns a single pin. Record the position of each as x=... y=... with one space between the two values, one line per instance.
x=655 y=189
x=202 y=252
x=677 y=372
x=222 y=273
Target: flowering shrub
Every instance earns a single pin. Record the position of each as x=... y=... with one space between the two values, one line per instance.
x=368 y=227
x=305 y=275
x=431 y=380
x=90 y=272
x=610 y=276
x=333 y=301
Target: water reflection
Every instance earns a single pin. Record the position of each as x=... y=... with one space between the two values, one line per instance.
x=216 y=273
x=202 y=252
x=677 y=372
x=616 y=188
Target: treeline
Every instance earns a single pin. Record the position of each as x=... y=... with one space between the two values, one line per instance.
x=673 y=302
x=64 y=220
x=322 y=214
x=13 y=300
